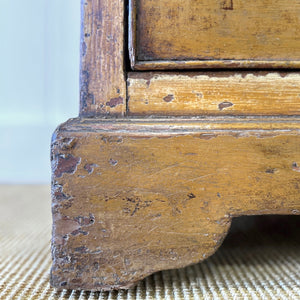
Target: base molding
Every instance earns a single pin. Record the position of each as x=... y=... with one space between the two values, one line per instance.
x=135 y=196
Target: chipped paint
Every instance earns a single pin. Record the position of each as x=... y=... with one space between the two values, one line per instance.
x=65 y=164
x=156 y=198
x=113 y=162
x=224 y=105
x=68 y=143
x=295 y=167
x=90 y=168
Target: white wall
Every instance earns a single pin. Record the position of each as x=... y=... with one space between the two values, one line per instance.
x=39 y=86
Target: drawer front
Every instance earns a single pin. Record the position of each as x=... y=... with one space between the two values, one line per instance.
x=213 y=93
x=179 y=34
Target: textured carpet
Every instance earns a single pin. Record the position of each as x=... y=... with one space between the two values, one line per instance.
x=260 y=258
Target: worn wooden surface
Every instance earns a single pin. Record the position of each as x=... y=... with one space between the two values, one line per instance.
x=218 y=93
x=219 y=33
x=134 y=197
x=102 y=77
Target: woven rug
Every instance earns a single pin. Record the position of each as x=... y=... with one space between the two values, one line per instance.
x=260 y=258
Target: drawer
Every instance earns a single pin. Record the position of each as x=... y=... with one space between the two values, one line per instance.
x=213 y=93
x=189 y=34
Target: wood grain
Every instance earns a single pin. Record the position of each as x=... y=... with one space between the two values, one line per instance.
x=134 y=197
x=218 y=93
x=220 y=33
x=102 y=79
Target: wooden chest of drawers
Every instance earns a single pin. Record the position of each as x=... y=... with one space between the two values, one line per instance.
x=194 y=123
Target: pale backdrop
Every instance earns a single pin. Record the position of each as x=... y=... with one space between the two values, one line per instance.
x=39 y=67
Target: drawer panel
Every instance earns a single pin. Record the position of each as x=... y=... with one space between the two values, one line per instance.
x=178 y=34
x=216 y=93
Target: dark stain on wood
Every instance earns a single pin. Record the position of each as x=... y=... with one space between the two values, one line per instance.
x=115 y=102
x=271 y=170
x=169 y=98
x=87 y=98
x=227 y=5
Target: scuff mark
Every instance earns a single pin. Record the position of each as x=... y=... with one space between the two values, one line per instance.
x=85 y=221
x=227 y=4
x=112 y=139
x=68 y=143
x=64 y=226
x=91 y=99
x=198 y=94
x=64 y=283
x=178 y=204
x=115 y=102
x=155 y=215
x=81 y=249
x=96 y=266
x=90 y=167
x=86 y=97
x=271 y=170
x=224 y=104
x=83 y=49
x=207 y=136
x=295 y=167
x=58 y=194
x=113 y=162
x=134 y=204
x=79 y=231
x=65 y=164
x=191 y=196
x=169 y=98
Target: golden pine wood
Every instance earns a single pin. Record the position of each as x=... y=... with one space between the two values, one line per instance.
x=134 y=197
x=223 y=93
x=102 y=76
x=227 y=33
x=132 y=194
